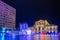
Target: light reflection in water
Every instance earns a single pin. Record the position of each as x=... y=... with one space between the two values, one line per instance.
x=36 y=37
x=48 y=37
x=56 y=37
x=52 y=36
x=8 y=36
x=30 y=37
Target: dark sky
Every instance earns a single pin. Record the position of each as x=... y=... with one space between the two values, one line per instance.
x=31 y=10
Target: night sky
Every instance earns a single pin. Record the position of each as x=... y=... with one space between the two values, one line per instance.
x=32 y=10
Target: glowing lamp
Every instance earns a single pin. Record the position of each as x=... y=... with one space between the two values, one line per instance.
x=8 y=31
x=28 y=32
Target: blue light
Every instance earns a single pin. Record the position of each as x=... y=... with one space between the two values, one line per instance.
x=23 y=32
x=13 y=36
x=23 y=26
x=8 y=31
x=56 y=37
x=3 y=30
x=52 y=36
x=52 y=33
x=3 y=33
x=2 y=36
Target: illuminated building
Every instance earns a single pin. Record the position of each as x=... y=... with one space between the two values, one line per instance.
x=23 y=26
x=47 y=31
x=43 y=26
x=7 y=15
x=40 y=25
x=41 y=30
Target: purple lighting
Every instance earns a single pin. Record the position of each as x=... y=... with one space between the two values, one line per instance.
x=7 y=15
x=23 y=26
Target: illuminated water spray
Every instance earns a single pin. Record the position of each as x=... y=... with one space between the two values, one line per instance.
x=3 y=33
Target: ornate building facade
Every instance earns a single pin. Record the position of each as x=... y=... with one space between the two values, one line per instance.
x=43 y=26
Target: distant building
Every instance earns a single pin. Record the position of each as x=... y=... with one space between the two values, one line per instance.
x=23 y=26
x=24 y=29
x=7 y=15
